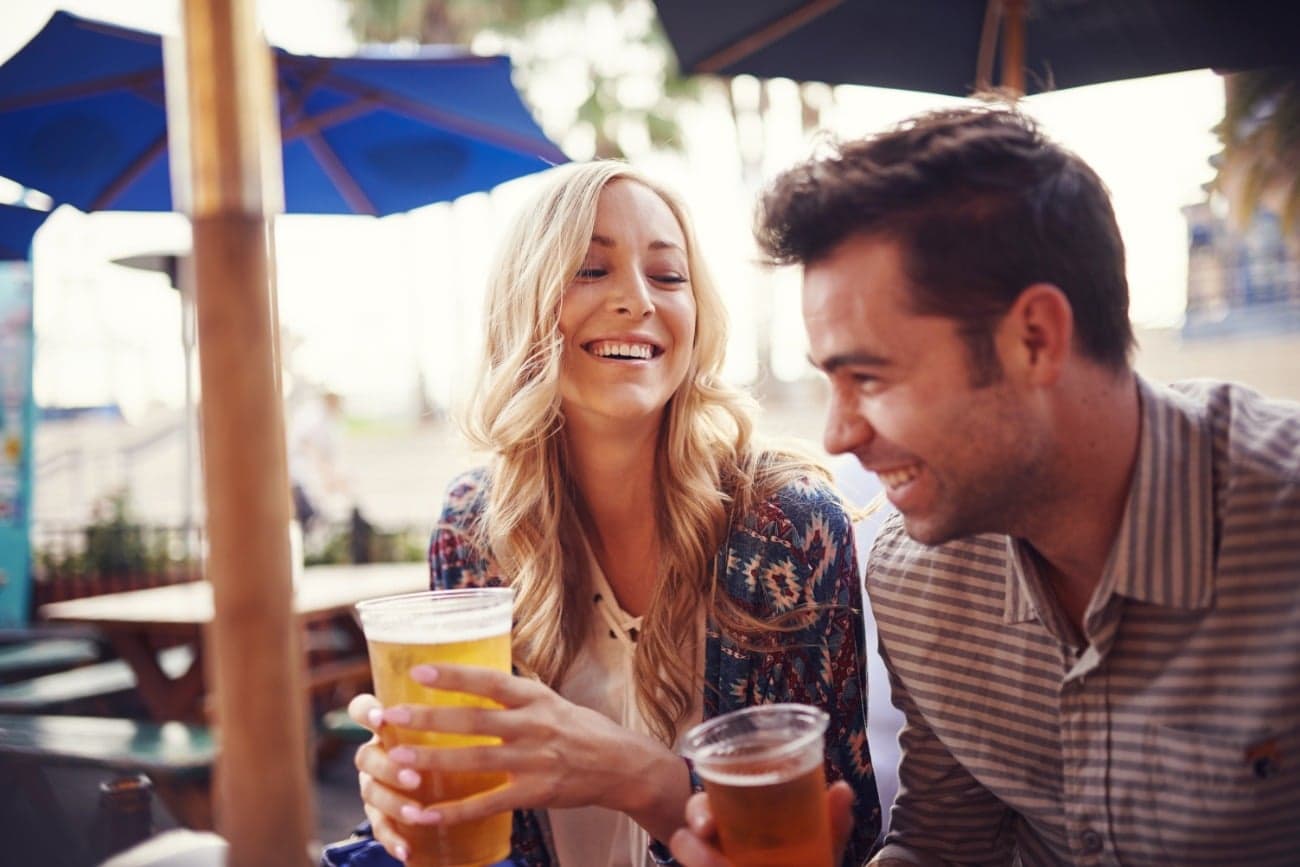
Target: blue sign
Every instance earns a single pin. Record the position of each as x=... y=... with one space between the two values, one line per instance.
x=17 y=411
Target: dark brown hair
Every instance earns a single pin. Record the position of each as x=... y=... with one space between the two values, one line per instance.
x=983 y=206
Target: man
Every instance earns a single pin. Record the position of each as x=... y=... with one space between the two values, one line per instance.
x=1090 y=601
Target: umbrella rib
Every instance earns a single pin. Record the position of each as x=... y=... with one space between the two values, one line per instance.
x=347 y=186
x=132 y=81
x=310 y=81
x=756 y=40
x=487 y=132
x=315 y=123
x=127 y=177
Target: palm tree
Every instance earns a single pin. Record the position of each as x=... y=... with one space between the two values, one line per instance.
x=622 y=87
x=1260 y=132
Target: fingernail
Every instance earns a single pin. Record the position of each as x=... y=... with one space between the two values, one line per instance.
x=410 y=813
x=375 y=717
x=397 y=715
x=425 y=674
x=402 y=755
x=408 y=778
x=430 y=817
x=401 y=852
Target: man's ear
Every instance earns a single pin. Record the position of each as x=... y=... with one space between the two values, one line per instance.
x=1035 y=336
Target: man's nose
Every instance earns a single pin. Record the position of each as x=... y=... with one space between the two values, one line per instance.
x=631 y=297
x=847 y=428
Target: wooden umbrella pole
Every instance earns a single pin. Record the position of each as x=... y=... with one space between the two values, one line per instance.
x=1013 y=47
x=225 y=151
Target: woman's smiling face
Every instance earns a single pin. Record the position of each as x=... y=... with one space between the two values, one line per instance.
x=628 y=316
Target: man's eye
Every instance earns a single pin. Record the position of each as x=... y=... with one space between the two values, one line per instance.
x=863 y=378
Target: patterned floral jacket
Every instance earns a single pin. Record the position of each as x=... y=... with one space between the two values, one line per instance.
x=794 y=549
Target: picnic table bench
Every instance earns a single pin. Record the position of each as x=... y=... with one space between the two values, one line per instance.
x=88 y=687
x=23 y=659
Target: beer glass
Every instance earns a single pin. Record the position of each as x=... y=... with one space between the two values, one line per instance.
x=467 y=627
x=762 y=769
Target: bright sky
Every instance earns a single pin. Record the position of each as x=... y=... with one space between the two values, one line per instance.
x=366 y=301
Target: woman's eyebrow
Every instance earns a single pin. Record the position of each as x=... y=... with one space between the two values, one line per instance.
x=606 y=241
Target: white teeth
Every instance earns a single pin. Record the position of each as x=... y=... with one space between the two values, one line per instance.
x=896 y=478
x=609 y=349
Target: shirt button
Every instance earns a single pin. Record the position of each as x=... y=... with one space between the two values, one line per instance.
x=1091 y=841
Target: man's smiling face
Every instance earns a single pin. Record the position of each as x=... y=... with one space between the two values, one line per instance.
x=955 y=458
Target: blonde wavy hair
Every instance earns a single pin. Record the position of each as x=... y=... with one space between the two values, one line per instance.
x=533 y=525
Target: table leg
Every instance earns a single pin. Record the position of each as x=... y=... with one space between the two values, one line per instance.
x=164 y=697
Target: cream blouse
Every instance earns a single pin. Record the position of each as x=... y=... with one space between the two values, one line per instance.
x=600 y=679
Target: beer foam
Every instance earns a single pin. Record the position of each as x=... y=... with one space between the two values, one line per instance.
x=433 y=619
x=764 y=773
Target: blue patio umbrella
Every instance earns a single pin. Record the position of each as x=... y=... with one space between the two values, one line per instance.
x=83 y=119
x=17 y=226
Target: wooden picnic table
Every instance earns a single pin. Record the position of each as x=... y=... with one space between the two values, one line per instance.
x=139 y=623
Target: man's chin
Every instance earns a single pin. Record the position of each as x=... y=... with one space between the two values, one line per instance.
x=930 y=531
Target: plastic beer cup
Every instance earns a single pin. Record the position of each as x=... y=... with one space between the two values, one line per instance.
x=467 y=627
x=763 y=770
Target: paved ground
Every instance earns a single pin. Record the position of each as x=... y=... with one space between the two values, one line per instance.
x=397 y=470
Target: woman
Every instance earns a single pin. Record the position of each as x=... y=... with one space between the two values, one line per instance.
x=665 y=569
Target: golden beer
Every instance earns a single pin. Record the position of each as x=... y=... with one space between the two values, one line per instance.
x=465 y=627
x=762 y=769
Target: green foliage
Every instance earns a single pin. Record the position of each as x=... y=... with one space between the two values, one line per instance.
x=337 y=544
x=632 y=93
x=112 y=545
x=115 y=545
x=1260 y=133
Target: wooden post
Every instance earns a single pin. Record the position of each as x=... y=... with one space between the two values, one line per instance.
x=1013 y=47
x=225 y=150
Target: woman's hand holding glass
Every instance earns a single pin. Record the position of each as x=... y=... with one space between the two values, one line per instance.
x=555 y=753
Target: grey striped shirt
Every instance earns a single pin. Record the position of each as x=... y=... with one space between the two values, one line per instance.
x=1172 y=735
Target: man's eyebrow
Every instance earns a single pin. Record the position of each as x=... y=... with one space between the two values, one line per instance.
x=849 y=359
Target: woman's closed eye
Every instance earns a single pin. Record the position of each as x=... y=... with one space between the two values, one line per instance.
x=591 y=272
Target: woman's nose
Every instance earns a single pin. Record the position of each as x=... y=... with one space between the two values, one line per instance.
x=631 y=297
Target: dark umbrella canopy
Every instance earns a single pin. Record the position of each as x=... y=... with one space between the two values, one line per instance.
x=934 y=45
x=17 y=226
x=82 y=118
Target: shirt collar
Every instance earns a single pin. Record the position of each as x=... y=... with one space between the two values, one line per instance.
x=1164 y=551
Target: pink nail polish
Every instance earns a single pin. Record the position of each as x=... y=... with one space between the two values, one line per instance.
x=408 y=778
x=400 y=852
x=410 y=814
x=402 y=755
x=425 y=674
x=375 y=717
x=397 y=716
x=430 y=817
